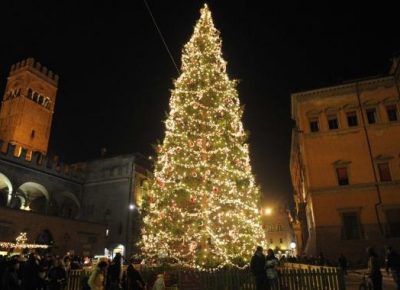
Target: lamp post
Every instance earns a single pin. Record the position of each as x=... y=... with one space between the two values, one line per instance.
x=267 y=211
x=293 y=248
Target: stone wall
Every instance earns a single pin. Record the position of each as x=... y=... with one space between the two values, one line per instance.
x=83 y=237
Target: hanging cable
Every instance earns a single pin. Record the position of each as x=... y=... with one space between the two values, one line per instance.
x=161 y=36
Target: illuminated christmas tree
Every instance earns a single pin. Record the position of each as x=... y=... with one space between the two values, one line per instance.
x=202 y=209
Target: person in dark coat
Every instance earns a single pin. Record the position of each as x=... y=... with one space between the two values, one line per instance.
x=30 y=274
x=393 y=265
x=57 y=276
x=374 y=269
x=10 y=279
x=114 y=273
x=135 y=280
x=257 y=267
x=343 y=263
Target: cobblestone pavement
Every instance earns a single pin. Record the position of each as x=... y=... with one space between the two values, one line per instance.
x=354 y=278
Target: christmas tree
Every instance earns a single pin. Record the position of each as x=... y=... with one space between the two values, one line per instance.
x=202 y=209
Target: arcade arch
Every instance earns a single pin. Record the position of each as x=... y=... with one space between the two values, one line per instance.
x=6 y=190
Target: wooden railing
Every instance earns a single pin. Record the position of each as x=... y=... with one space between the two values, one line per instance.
x=75 y=278
x=298 y=277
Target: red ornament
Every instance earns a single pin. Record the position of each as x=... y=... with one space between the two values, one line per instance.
x=160 y=183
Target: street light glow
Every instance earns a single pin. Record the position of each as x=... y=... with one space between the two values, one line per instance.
x=131 y=206
x=267 y=211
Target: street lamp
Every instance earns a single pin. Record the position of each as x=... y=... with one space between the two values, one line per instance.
x=267 y=211
x=132 y=206
x=293 y=247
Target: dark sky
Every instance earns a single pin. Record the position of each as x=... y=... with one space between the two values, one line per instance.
x=115 y=74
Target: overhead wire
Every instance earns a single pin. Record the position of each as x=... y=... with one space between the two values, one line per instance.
x=161 y=36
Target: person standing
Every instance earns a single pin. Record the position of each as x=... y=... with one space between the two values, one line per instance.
x=257 y=267
x=343 y=263
x=393 y=265
x=57 y=276
x=272 y=273
x=96 y=279
x=10 y=279
x=159 y=284
x=30 y=274
x=374 y=271
x=114 y=273
x=135 y=280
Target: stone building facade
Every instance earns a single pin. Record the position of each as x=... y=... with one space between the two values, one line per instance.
x=278 y=229
x=97 y=198
x=344 y=164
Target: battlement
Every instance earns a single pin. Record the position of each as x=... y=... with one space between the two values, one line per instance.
x=35 y=67
x=37 y=161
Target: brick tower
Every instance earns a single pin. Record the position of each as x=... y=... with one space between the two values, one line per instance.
x=27 y=107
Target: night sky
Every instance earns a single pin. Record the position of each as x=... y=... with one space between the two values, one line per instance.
x=116 y=76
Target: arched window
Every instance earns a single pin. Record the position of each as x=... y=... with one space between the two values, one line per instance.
x=30 y=94
x=46 y=102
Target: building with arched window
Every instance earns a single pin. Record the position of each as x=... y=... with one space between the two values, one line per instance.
x=84 y=207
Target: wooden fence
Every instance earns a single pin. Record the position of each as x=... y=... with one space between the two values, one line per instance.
x=289 y=278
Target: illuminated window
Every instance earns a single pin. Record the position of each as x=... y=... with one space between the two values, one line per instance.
x=384 y=172
x=342 y=176
x=314 y=125
x=371 y=115
x=392 y=113
x=352 y=120
x=333 y=122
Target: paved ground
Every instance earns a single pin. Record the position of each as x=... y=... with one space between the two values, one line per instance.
x=354 y=278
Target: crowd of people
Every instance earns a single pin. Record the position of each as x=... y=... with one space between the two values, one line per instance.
x=266 y=275
x=49 y=272
x=35 y=271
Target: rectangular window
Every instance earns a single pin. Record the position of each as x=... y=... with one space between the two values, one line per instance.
x=281 y=241
x=342 y=176
x=393 y=222
x=371 y=115
x=384 y=172
x=392 y=113
x=33 y=134
x=333 y=122
x=351 y=229
x=314 y=125
x=352 y=119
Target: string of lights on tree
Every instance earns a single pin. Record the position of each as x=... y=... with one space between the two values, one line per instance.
x=202 y=209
